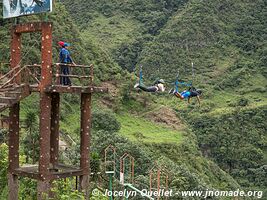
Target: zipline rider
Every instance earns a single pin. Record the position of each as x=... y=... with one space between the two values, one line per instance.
x=158 y=85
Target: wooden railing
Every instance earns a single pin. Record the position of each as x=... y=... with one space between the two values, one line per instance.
x=80 y=75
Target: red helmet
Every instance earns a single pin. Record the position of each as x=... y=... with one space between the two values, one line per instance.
x=61 y=43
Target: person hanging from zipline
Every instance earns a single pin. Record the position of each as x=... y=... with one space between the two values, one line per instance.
x=158 y=85
x=186 y=94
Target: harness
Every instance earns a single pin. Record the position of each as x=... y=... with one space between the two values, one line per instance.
x=190 y=84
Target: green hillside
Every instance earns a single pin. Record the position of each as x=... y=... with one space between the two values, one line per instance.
x=226 y=40
x=221 y=145
x=122 y=28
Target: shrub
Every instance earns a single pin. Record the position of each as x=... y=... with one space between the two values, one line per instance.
x=105 y=121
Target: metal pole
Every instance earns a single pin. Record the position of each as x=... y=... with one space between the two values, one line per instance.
x=110 y=175
x=193 y=73
x=158 y=180
x=110 y=186
x=132 y=170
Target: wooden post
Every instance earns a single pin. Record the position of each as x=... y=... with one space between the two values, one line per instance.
x=43 y=185
x=85 y=142
x=13 y=140
x=54 y=142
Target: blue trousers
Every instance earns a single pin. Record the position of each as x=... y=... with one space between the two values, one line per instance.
x=65 y=71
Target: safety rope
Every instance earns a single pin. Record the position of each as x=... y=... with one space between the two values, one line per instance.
x=27 y=52
x=13 y=77
x=141 y=75
x=176 y=82
x=190 y=84
x=14 y=69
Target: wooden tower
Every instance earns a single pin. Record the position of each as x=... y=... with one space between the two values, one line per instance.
x=47 y=85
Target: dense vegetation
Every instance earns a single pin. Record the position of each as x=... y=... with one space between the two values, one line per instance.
x=221 y=145
x=226 y=40
x=237 y=142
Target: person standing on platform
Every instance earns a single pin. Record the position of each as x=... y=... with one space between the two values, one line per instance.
x=65 y=59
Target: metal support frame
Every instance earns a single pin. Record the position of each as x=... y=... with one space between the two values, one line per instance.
x=159 y=172
x=110 y=149
x=49 y=120
x=131 y=167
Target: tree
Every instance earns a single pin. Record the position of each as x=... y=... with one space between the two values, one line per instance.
x=31 y=141
x=3 y=166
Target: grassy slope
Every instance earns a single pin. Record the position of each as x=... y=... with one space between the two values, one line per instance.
x=107 y=30
x=110 y=33
x=142 y=130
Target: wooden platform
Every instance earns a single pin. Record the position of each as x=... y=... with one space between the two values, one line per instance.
x=70 y=89
x=58 y=172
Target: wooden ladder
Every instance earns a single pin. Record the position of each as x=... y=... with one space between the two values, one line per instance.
x=12 y=95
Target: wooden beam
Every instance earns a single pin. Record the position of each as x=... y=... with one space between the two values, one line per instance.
x=75 y=89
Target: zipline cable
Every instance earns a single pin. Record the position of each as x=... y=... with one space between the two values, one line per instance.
x=193 y=74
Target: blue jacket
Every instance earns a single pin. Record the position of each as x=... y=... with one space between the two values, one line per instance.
x=64 y=56
x=185 y=94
